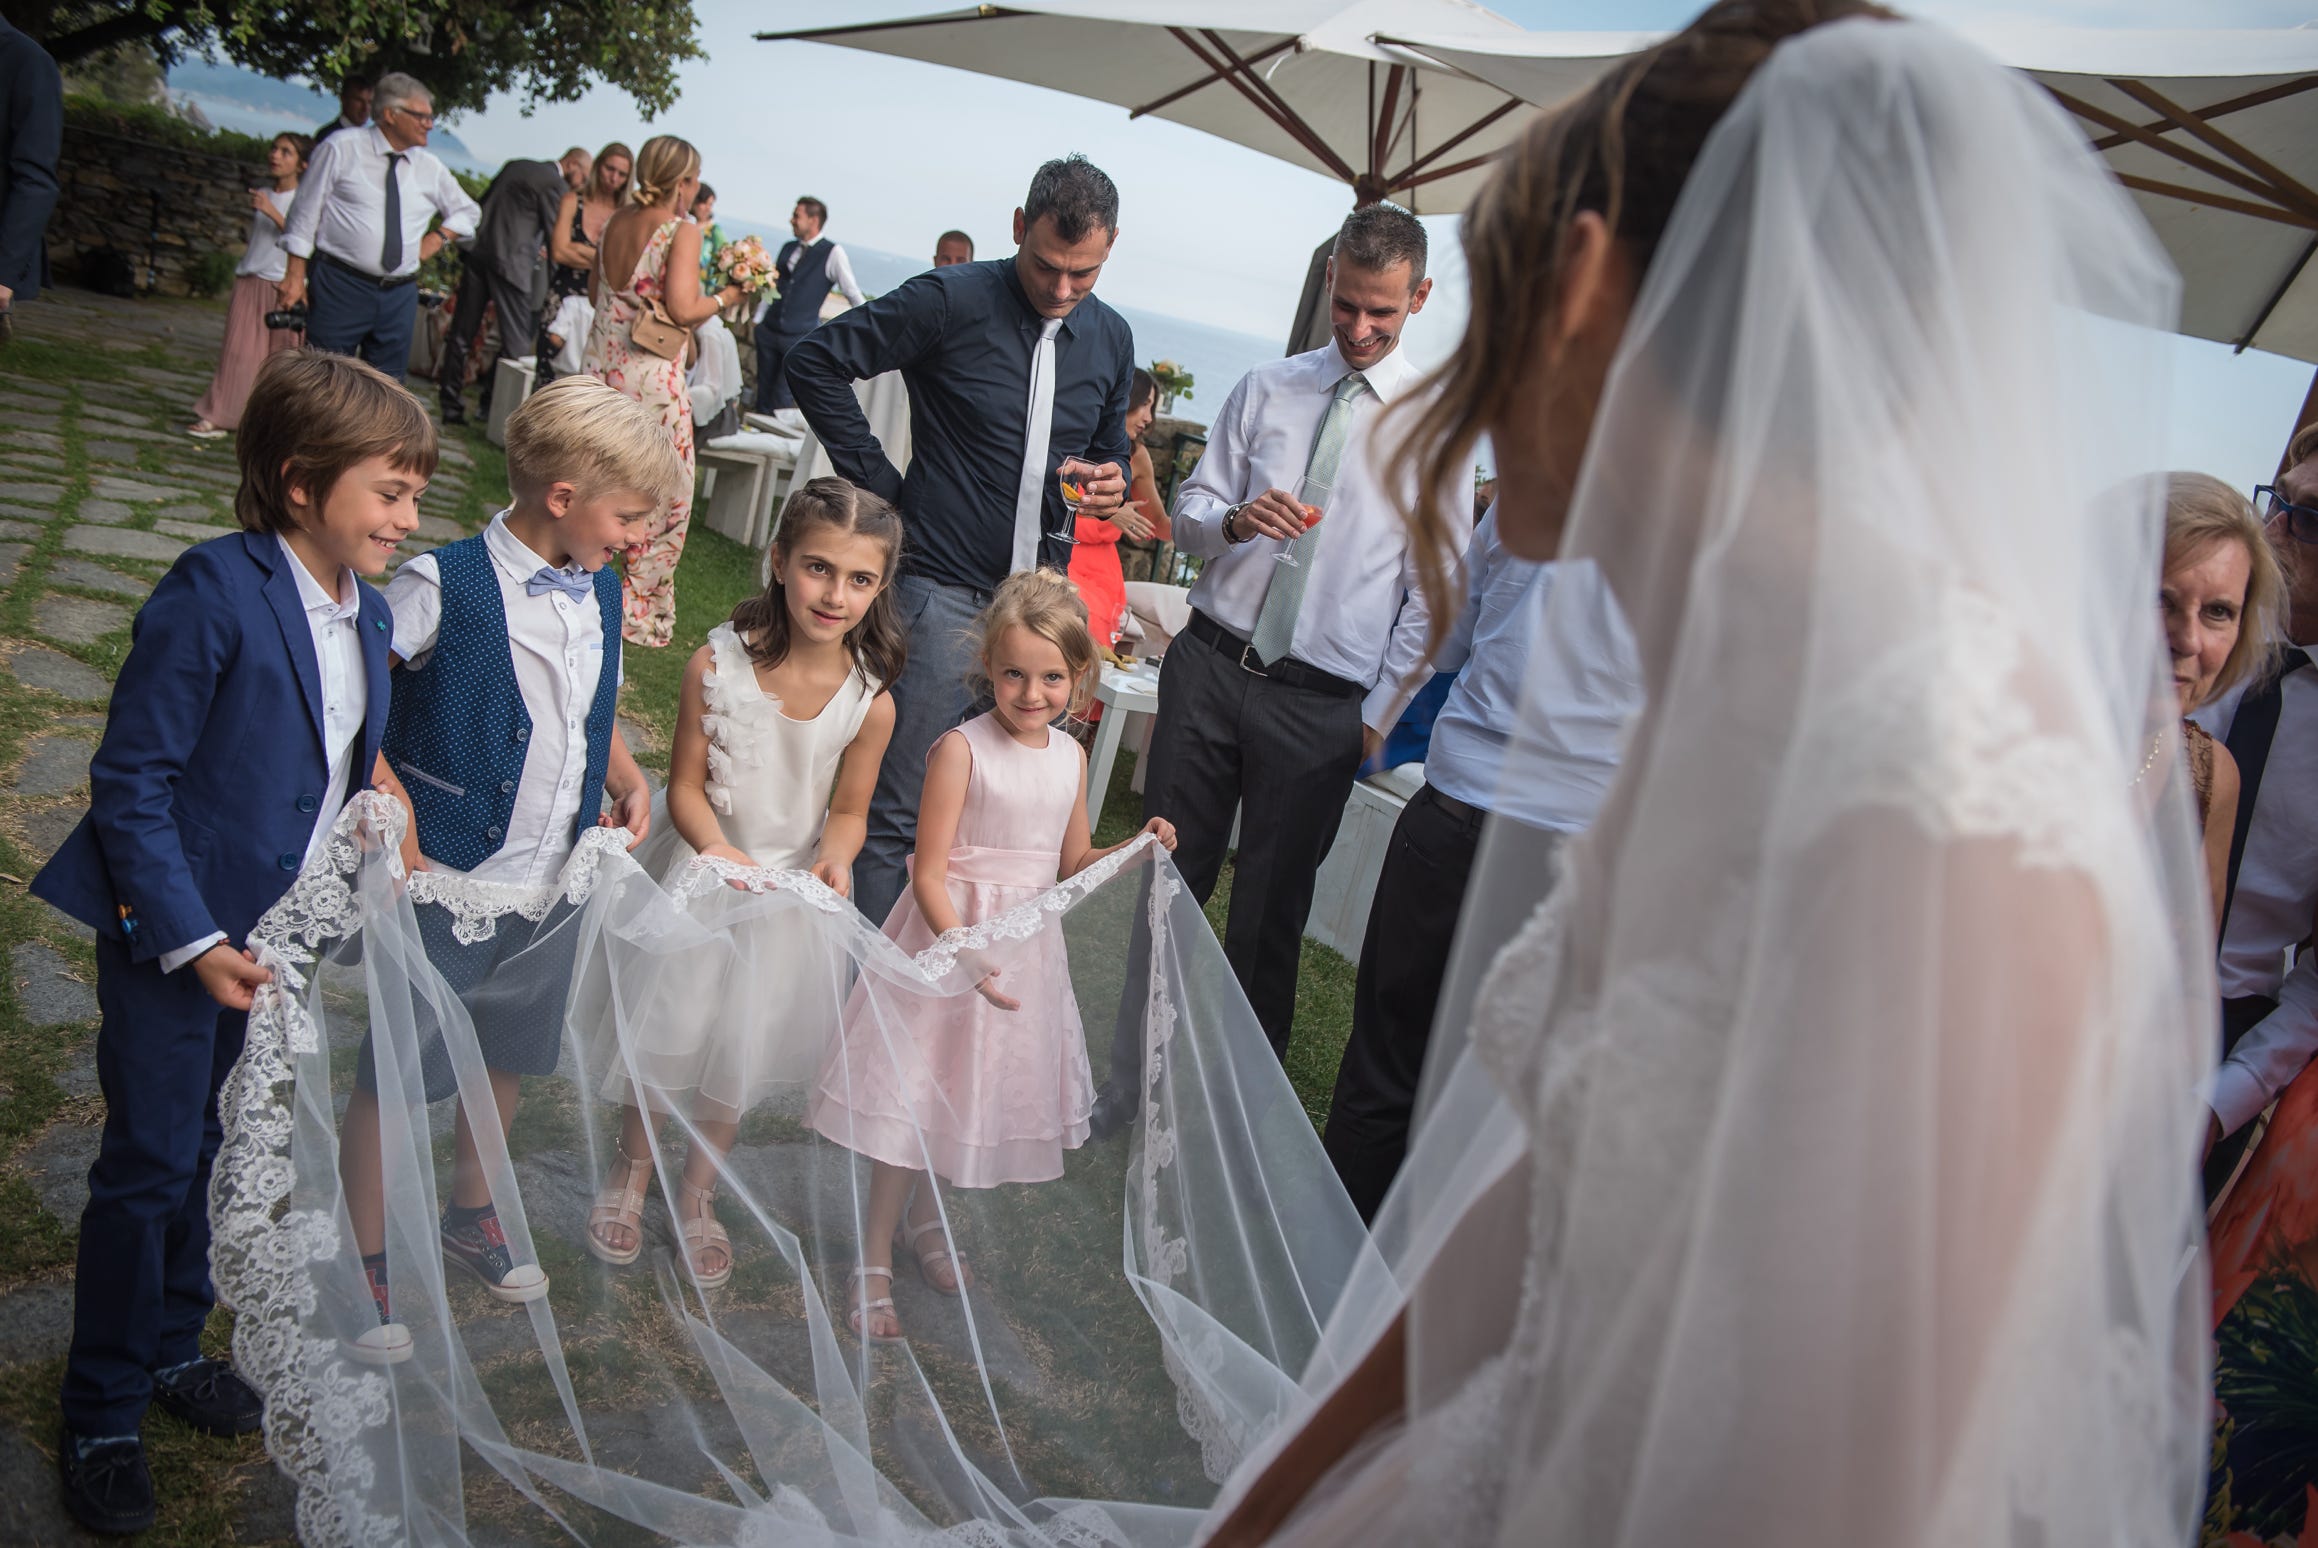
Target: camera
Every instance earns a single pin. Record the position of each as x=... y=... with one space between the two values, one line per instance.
x=288 y=317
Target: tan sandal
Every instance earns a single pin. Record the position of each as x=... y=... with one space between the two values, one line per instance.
x=622 y=1204
x=703 y=1234
x=960 y=1278
x=864 y=1309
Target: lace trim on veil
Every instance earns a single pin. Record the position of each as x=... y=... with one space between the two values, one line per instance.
x=264 y=1253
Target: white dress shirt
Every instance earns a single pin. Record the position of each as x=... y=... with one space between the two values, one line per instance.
x=342 y=211
x=336 y=625
x=558 y=646
x=264 y=256
x=1363 y=617
x=1544 y=662
x=2272 y=908
x=840 y=271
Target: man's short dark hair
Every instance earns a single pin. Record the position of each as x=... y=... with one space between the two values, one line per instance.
x=1076 y=194
x=814 y=208
x=956 y=236
x=353 y=82
x=1378 y=236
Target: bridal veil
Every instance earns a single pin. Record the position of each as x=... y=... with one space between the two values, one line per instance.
x=1819 y=1167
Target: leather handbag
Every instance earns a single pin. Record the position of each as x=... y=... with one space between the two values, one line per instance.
x=655 y=333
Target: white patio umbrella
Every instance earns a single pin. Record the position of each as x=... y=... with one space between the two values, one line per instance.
x=1295 y=79
x=2215 y=132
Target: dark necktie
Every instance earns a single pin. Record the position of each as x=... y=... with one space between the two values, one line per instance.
x=390 y=251
x=2251 y=731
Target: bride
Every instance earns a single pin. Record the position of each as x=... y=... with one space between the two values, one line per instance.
x=1820 y=1169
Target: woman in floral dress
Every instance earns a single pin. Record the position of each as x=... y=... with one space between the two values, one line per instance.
x=657 y=250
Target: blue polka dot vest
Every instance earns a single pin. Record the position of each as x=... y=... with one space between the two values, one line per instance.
x=457 y=731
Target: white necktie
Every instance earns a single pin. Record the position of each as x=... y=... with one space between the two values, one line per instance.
x=1037 y=431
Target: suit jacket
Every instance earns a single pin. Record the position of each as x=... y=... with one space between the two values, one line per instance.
x=203 y=793
x=519 y=210
x=31 y=141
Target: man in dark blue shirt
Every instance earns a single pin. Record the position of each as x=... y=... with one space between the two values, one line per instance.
x=1015 y=372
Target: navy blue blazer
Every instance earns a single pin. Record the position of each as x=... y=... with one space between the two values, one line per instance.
x=203 y=793
x=31 y=142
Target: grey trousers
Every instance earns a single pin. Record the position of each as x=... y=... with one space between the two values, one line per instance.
x=929 y=698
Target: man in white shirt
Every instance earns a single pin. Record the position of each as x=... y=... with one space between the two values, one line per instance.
x=1543 y=658
x=2270 y=1016
x=358 y=232
x=1288 y=675
x=810 y=267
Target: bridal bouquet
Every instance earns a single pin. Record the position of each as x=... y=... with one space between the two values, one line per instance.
x=745 y=263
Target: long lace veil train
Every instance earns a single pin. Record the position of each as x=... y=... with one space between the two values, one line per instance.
x=1819 y=1167
x=1130 y=1327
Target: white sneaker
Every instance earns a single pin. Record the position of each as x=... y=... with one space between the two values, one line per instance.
x=389 y=1343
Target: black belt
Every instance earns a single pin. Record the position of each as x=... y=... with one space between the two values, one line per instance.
x=1288 y=673
x=1464 y=812
x=330 y=261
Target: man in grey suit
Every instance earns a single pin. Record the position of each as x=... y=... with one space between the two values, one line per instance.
x=31 y=140
x=500 y=268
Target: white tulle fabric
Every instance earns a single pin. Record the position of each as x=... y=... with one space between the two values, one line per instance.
x=1131 y=1327
x=1820 y=1165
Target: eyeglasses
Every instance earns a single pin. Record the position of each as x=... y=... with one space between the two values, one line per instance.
x=423 y=120
x=2301 y=520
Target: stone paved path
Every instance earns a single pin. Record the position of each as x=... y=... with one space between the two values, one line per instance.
x=99 y=491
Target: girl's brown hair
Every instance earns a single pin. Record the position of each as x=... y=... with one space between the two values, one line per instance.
x=1622 y=149
x=301 y=146
x=310 y=417
x=1049 y=606
x=879 y=644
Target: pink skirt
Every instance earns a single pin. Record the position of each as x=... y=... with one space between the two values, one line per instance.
x=247 y=343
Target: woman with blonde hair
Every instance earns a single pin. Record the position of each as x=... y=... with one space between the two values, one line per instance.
x=648 y=266
x=2222 y=599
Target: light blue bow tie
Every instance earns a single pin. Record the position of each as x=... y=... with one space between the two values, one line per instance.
x=575 y=584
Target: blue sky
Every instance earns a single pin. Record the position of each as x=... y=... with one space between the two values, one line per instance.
x=1209 y=231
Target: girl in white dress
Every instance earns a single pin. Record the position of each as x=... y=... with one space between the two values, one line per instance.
x=783 y=724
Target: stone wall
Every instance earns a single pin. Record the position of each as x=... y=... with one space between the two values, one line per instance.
x=158 y=206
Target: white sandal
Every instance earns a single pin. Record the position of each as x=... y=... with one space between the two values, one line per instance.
x=960 y=1278
x=621 y=1205
x=702 y=1233
x=858 y=1318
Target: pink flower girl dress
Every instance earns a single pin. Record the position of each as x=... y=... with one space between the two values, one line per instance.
x=954 y=1084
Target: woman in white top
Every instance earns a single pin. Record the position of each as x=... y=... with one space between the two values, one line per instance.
x=247 y=338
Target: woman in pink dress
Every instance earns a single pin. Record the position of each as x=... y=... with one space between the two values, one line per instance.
x=657 y=251
x=248 y=341
x=993 y=1086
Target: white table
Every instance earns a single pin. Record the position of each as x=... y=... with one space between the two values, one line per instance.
x=510 y=385
x=1122 y=693
x=1346 y=884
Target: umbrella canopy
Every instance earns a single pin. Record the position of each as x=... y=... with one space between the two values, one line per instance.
x=1295 y=79
x=2215 y=132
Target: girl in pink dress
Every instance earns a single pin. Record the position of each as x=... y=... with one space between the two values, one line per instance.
x=989 y=1087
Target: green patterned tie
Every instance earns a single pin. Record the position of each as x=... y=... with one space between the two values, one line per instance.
x=1284 y=599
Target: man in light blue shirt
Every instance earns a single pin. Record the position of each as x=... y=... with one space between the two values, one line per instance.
x=1562 y=682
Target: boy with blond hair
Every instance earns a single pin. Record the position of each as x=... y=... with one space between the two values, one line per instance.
x=507 y=652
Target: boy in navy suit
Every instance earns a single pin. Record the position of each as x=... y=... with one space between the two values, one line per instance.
x=507 y=676
x=251 y=707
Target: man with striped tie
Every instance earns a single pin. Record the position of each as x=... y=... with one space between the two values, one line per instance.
x=1304 y=628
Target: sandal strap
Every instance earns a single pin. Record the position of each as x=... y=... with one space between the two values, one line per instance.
x=865 y=1270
